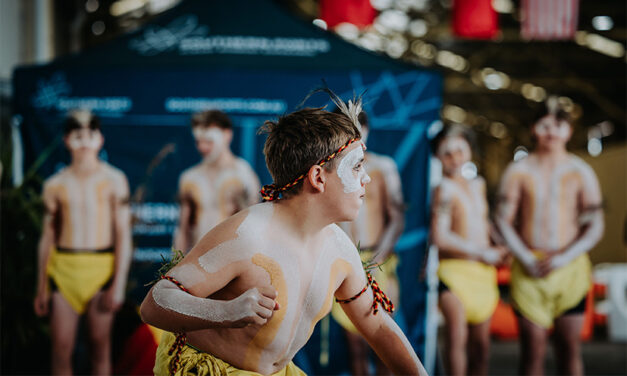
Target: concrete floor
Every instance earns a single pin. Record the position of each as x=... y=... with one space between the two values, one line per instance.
x=600 y=358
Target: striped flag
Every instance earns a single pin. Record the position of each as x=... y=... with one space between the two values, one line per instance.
x=549 y=19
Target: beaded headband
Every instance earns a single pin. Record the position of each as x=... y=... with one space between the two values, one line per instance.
x=352 y=110
x=271 y=192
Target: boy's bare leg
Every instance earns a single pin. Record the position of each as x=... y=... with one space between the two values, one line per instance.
x=456 y=333
x=63 y=327
x=479 y=348
x=99 y=324
x=358 y=349
x=533 y=340
x=568 y=344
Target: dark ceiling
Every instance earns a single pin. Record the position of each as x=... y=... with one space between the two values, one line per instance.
x=595 y=82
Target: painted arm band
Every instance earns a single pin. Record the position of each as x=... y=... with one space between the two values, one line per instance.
x=378 y=298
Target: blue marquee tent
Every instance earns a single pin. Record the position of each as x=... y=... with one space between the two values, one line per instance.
x=253 y=60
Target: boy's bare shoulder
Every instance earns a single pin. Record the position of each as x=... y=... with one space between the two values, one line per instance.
x=190 y=173
x=56 y=179
x=249 y=227
x=341 y=242
x=113 y=173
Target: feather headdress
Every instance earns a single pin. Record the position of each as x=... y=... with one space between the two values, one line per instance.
x=352 y=109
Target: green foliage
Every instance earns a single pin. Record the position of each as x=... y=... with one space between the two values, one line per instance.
x=25 y=339
x=166 y=265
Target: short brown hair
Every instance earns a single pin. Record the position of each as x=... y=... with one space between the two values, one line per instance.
x=211 y=117
x=558 y=111
x=73 y=122
x=301 y=139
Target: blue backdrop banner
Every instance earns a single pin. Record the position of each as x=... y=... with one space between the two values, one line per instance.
x=256 y=66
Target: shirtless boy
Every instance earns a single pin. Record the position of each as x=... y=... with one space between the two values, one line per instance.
x=216 y=188
x=460 y=229
x=377 y=228
x=85 y=247
x=259 y=281
x=550 y=215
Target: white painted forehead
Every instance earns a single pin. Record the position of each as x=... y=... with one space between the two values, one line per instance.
x=211 y=133
x=355 y=155
x=453 y=143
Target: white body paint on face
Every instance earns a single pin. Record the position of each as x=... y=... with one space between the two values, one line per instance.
x=213 y=135
x=546 y=125
x=179 y=302
x=453 y=144
x=351 y=179
x=76 y=142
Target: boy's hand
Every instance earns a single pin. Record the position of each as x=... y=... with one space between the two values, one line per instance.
x=253 y=307
x=109 y=302
x=42 y=303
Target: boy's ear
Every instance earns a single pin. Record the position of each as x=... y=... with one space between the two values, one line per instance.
x=316 y=178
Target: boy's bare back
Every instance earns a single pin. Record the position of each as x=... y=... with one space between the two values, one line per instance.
x=252 y=254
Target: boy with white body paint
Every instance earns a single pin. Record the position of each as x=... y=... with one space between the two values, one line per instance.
x=468 y=292
x=216 y=188
x=85 y=247
x=259 y=282
x=550 y=215
x=377 y=228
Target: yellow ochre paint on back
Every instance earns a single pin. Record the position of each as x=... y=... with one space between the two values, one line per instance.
x=338 y=266
x=266 y=334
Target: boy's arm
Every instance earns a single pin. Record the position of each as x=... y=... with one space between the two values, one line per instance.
x=46 y=242
x=249 y=194
x=394 y=212
x=449 y=243
x=114 y=295
x=591 y=220
x=181 y=234
x=380 y=330
x=253 y=187
x=170 y=308
x=509 y=204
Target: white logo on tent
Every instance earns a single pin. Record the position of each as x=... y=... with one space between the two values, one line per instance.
x=53 y=94
x=189 y=38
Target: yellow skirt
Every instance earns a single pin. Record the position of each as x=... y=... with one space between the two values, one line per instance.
x=197 y=363
x=474 y=284
x=385 y=277
x=79 y=276
x=541 y=300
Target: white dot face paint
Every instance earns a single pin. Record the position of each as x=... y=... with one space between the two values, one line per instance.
x=213 y=135
x=551 y=126
x=78 y=140
x=454 y=144
x=352 y=172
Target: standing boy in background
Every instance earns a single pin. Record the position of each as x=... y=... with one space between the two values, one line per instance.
x=85 y=247
x=550 y=215
x=461 y=230
x=377 y=228
x=216 y=188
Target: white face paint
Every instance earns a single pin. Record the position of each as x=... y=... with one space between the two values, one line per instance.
x=213 y=135
x=77 y=140
x=550 y=125
x=352 y=172
x=453 y=144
